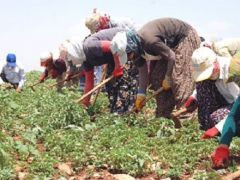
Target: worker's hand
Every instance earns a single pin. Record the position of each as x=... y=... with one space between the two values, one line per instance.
x=166 y=83
x=118 y=69
x=42 y=79
x=53 y=73
x=191 y=104
x=18 y=89
x=189 y=101
x=68 y=77
x=210 y=133
x=139 y=103
x=118 y=72
x=220 y=156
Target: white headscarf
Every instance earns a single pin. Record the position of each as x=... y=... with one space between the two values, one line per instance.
x=72 y=50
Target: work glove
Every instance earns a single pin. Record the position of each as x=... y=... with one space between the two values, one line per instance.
x=191 y=104
x=118 y=69
x=139 y=103
x=118 y=72
x=210 y=133
x=166 y=83
x=189 y=101
x=220 y=157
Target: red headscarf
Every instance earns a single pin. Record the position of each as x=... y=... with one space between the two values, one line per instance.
x=104 y=22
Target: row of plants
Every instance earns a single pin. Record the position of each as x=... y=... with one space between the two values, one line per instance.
x=135 y=144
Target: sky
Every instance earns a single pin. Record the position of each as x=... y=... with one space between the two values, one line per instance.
x=29 y=27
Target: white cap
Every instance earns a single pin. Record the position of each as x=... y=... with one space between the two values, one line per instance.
x=45 y=56
x=203 y=60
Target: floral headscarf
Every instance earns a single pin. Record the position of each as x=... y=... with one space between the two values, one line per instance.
x=133 y=43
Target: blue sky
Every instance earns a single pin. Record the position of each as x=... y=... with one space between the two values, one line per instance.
x=29 y=27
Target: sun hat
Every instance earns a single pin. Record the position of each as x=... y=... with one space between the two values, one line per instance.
x=203 y=60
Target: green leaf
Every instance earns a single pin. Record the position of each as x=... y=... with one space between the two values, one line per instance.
x=13 y=105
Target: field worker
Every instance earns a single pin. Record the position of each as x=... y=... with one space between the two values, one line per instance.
x=231 y=126
x=12 y=72
x=73 y=63
x=214 y=95
x=226 y=47
x=98 y=21
x=55 y=67
x=109 y=46
x=171 y=42
x=74 y=66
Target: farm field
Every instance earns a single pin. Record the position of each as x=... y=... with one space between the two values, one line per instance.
x=46 y=135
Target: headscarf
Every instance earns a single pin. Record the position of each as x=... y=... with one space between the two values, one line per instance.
x=104 y=22
x=92 y=22
x=134 y=43
x=97 y=21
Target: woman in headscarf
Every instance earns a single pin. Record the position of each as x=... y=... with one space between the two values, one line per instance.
x=226 y=47
x=172 y=42
x=111 y=47
x=54 y=68
x=214 y=95
x=224 y=74
x=121 y=92
x=98 y=21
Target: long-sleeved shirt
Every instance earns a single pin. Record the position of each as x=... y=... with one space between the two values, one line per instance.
x=93 y=50
x=95 y=56
x=229 y=90
x=58 y=65
x=158 y=38
x=231 y=125
x=14 y=75
x=167 y=33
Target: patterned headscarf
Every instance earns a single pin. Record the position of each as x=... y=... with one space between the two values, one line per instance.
x=97 y=21
x=133 y=43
